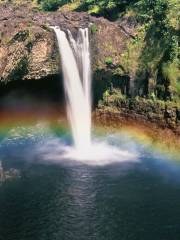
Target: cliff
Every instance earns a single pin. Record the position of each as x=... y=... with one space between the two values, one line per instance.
x=115 y=110
x=28 y=47
x=124 y=54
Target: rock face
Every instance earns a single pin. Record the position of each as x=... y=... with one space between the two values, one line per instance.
x=142 y=111
x=28 y=47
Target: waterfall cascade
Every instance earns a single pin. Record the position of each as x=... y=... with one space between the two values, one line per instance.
x=75 y=56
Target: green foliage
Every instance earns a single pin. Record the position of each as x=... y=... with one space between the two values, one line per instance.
x=112 y=96
x=154 y=52
x=110 y=9
x=95 y=9
x=106 y=94
x=152 y=9
x=52 y=5
x=159 y=56
x=152 y=96
x=108 y=60
x=171 y=72
x=93 y=28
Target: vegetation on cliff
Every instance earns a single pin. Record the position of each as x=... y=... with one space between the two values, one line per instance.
x=151 y=58
x=166 y=114
x=152 y=55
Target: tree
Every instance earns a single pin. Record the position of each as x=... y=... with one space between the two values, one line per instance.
x=52 y=5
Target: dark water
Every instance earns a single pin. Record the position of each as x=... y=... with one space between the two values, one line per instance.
x=120 y=201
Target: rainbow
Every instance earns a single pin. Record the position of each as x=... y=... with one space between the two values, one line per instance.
x=163 y=141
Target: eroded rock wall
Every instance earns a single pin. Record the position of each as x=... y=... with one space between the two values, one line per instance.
x=142 y=111
x=28 y=47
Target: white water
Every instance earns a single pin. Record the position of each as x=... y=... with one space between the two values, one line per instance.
x=77 y=84
x=75 y=57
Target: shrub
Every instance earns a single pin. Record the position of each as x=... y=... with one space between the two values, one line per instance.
x=52 y=5
x=108 y=60
x=93 y=28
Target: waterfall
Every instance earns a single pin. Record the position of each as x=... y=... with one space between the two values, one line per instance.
x=75 y=58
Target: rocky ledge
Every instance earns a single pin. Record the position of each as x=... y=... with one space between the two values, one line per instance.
x=116 y=111
x=28 y=46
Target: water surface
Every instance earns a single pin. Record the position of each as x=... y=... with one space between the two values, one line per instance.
x=73 y=200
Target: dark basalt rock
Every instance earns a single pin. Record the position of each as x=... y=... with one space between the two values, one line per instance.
x=28 y=46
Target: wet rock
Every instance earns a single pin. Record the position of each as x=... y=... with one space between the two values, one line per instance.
x=10 y=174
x=164 y=115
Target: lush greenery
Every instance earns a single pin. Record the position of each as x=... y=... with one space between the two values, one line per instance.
x=159 y=57
x=52 y=5
x=107 y=8
x=152 y=55
x=154 y=52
